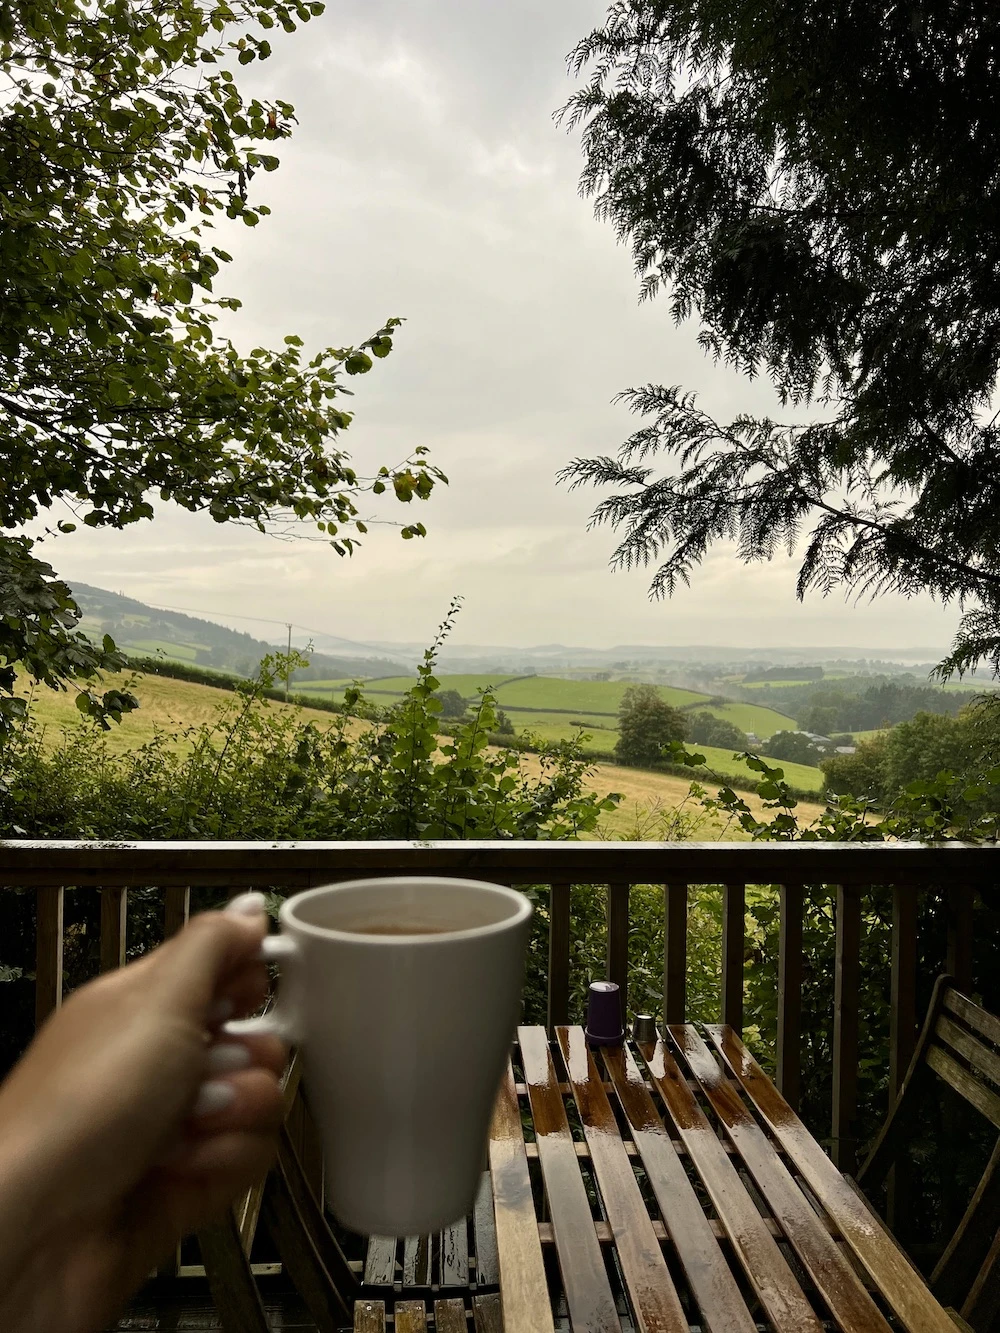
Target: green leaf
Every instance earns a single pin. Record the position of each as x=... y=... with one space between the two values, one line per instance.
x=358 y=363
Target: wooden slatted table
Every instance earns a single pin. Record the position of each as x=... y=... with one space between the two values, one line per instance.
x=668 y=1187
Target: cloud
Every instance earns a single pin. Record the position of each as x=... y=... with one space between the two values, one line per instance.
x=427 y=179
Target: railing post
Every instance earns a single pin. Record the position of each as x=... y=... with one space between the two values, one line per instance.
x=847 y=975
x=48 y=952
x=618 y=924
x=789 y=1049
x=675 y=914
x=959 y=905
x=902 y=1031
x=733 y=950
x=176 y=910
x=558 y=983
x=114 y=909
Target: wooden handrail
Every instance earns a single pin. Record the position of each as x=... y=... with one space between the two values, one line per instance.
x=953 y=871
x=30 y=863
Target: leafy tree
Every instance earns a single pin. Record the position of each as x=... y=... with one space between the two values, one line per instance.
x=505 y=726
x=705 y=728
x=452 y=703
x=793 y=746
x=816 y=184
x=646 y=724
x=862 y=774
x=917 y=751
x=123 y=137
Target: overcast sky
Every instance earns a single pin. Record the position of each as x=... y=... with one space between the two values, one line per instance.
x=427 y=179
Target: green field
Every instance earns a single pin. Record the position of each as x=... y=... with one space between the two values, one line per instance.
x=181 y=652
x=587 y=696
x=764 y=722
x=722 y=761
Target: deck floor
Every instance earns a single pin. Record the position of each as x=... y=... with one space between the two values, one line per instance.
x=197 y=1314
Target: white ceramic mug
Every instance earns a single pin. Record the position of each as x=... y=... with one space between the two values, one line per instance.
x=404 y=1037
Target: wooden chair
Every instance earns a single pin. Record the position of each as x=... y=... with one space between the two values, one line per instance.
x=960 y=1044
x=407 y=1278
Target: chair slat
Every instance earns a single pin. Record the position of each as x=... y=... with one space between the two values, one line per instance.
x=835 y=1279
x=559 y=934
x=733 y=950
x=526 y=1293
x=789 y=1052
x=846 y=986
x=449 y=1317
x=585 y=1280
x=114 y=913
x=410 y=1317
x=984 y=1061
x=863 y=1232
x=454 y=1251
x=380 y=1261
x=618 y=924
x=416 y=1262
x=651 y=1290
x=712 y=1284
x=369 y=1317
x=485 y=1230
x=983 y=1022
x=964 y=1083
x=675 y=914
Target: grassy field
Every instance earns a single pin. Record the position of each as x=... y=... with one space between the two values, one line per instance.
x=176 y=706
x=166 y=705
x=588 y=696
x=764 y=722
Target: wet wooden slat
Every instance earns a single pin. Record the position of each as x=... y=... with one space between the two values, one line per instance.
x=617 y=955
x=789 y=1052
x=380 y=1261
x=559 y=933
x=369 y=1317
x=449 y=1316
x=410 y=1317
x=964 y=1083
x=886 y=1265
x=485 y=1232
x=675 y=913
x=846 y=986
x=454 y=1253
x=981 y=1020
x=114 y=911
x=48 y=952
x=525 y=1290
x=488 y=1314
x=835 y=1279
x=752 y=1241
x=983 y=1060
x=585 y=1280
x=176 y=909
x=416 y=1262
x=723 y=1309
x=734 y=906
x=652 y=1293
x=230 y=1279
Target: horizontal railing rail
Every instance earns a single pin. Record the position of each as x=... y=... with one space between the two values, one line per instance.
x=952 y=871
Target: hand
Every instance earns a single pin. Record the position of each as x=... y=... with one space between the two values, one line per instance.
x=123 y=1127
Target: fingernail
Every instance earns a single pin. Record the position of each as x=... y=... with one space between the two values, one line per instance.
x=225 y=1057
x=214 y=1095
x=246 y=904
x=221 y=1010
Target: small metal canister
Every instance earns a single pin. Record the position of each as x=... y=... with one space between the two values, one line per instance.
x=644 y=1028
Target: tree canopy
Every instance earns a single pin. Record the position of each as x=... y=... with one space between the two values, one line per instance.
x=123 y=138
x=646 y=724
x=816 y=184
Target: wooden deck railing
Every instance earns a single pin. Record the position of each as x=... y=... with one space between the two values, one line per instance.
x=954 y=872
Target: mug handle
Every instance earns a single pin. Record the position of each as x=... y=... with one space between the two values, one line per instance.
x=278 y=1021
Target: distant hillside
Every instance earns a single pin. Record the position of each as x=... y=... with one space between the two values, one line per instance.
x=147 y=631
